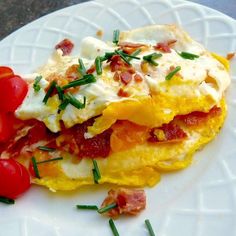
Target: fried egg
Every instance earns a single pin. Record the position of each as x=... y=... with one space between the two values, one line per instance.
x=199 y=85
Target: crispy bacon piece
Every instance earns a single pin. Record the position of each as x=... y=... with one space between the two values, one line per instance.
x=72 y=73
x=165 y=46
x=197 y=117
x=117 y=64
x=66 y=46
x=138 y=78
x=129 y=48
x=167 y=133
x=122 y=93
x=129 y=202
x=91 y=70
x=125 y=77
x=230 y=56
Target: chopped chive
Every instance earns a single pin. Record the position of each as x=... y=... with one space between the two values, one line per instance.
x=128 y=55
x=122 y=56
x=49 y=160
x=89 y=78
x=149 y=227
x=116 y=35
x=107 y=56
x=47 y=149
x=107 y=208
x=63 y=105
x=74 y=101
x=187 y=55
x=36 y=170
x=87 y=207
x=60 y=92
x=81 y=68
x=95 y=176
x=98 y=65
x=36 y=84
x=151 y=58
x=7 y=200
x=135 y=53
x=95 y=164
x=113 y=228
x=49 y=92
x=173 y=72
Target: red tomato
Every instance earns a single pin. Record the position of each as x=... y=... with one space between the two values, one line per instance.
x=6 y=72
x=6 y=126
x=14 y=178
x=12 y=93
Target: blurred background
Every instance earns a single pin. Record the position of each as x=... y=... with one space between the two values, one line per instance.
x=16 y=13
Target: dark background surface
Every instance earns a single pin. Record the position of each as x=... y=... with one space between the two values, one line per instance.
x=16 y=13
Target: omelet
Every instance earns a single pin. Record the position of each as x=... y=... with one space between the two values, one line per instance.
x=154 y=97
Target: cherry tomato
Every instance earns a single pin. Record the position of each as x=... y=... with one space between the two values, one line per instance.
x=12 y=93
x=6 y=72
x=14 y=178
x=6 y=126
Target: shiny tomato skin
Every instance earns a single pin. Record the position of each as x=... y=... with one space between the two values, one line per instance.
x=12 y=93
x=6 y=72
x=14 y=178
x=6 y=126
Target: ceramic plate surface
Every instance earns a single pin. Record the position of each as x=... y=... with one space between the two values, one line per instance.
x=198 y=201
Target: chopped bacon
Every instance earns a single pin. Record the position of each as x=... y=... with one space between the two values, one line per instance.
x=125 y=77
x=91 y=70
x=122 y=93
x=197 y=117
x=116 y=76
x=129 y=48
x=138 y=78
x=117 y=64
x=230 y=56
x=129 y=201
x=167 y=133
x=72 y=73
x=66 y=46
x=165 y=46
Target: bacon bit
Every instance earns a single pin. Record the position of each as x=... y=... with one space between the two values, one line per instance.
x=117 y=64
x=61 y=81
x=122 y=93
x=196 y=118
x=116 y=76
x=72 y=73
x=99 y=33
x=138 y=78
x=165 y=46
x=167 y=133
x=66 y=46
x=129 y=48
x=129 y=202
x=91 y=70
x=230 y=56
x=125 y=77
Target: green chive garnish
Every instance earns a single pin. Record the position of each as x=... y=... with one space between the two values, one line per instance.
x=36 y=170
x=98 y=65
x=96 y=172
x=81 y=68
x=173 y=72
x=46 y=149
x=85 y=80
x=49 y=160
x=60 y=92
x=107 y=56
x=74 y=101
x=7 y=200
x=122 y=56
x=36 y=84
x=116 y=35
x=107 y=208
x=187 y=55
x=64 y=104
x=113 y=228
x=134 y=54
x=151 y=58
x=49 y=92
x=149 y=227
x=87 y=207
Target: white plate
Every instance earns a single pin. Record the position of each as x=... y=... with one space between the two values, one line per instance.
x=199 y=201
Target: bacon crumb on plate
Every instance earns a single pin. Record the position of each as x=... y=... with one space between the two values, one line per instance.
x=66 y=46
x=129 y=202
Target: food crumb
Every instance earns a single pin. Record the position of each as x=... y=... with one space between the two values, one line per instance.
x=99 y=33
x=230 y=55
